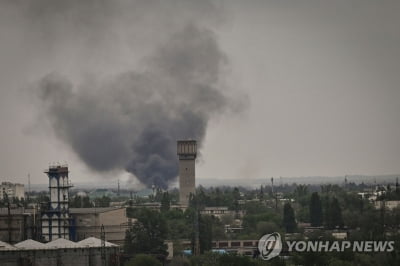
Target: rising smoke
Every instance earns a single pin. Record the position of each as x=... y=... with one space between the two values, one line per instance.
x=133 y=119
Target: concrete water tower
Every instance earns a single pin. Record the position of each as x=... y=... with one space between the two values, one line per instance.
x=187 y=152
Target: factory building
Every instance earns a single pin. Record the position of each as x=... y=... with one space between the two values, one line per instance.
x=56 y=221
x=88 y=252
x=187 y=152
x=12 y=190
x=88 y=222
x=17 y=224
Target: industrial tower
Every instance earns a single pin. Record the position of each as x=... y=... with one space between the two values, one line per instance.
x=56 y=221
x=187 y=151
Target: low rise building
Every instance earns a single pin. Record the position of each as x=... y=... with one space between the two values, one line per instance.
x=88 y=252
x=12 y=190
x=219 y=212
x=241 y=247
x=388 y=204
x=17 y=224
x=87 y=222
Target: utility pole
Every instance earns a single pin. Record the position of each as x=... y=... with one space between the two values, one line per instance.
x=272 y=186
x=382 y=213
x=6 y=199
x=118 y=189
x=274 y=195
x=103 y=245
x=153 y=187
x=196 y=228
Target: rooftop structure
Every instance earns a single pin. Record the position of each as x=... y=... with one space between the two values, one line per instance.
x=60 y=252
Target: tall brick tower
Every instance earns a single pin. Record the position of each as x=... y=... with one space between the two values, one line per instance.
x=187 y=151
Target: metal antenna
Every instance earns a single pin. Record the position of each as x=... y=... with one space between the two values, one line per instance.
x=272 y=185
x=29 y=186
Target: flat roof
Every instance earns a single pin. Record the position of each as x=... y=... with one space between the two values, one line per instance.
x=93 y=210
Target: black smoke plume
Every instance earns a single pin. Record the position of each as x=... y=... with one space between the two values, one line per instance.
x=133 y=120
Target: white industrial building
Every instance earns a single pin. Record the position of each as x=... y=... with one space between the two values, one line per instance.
x=56 y=221
x=12 y=190
x=88 y=252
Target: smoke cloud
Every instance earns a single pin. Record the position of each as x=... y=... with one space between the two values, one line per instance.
x=131 y=120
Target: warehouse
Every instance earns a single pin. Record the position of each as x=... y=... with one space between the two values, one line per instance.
x=88 y=252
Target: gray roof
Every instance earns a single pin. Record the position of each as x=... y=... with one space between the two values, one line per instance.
x=93 y=210
x=16 y=211
x=62 y=243
x=55 y=244
x=94 y=242
x=6 y=246
x=30 y=244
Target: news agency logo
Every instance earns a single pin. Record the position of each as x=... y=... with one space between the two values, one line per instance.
x=270 y=246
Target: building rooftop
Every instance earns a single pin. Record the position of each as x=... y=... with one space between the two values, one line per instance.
x=6 y=246
x=62 y=243
x=215 y=208
x=30 y=244
x=55 y=244
x=92 y=210
x=15 y=211
x=94 y=242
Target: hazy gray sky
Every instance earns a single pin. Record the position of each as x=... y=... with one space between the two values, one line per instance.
x=317 y=82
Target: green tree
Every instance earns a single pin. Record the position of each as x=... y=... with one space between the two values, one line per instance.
x=205 y=233
x=207 y=259
x=143 y=260
x=236 y=194
x=147 y=234
x=178 y=225
x=201 y=225
x=103 y=202
x=218 y=197
x=264 y=227
x=334 y=215
x=235 y=260
x=261 y=194
x=80 y=202
x=301 y=190
x=179 y=261
x=289 y=221
x=315 y=210
x=236 y=198
x=165 y=202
